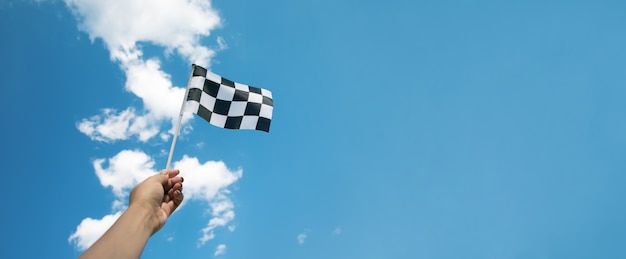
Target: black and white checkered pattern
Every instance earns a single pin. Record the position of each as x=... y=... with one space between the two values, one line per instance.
x=227 y=104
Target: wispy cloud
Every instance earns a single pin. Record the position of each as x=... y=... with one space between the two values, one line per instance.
x=337 y=231
x=301 y=237
x=220 y=250
x=212 y=188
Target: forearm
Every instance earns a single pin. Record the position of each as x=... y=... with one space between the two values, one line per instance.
x=126 y=238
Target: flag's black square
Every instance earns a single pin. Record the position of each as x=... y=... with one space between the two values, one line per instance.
x=211 y=88
x=233 y=122
x=228 y=82
x=221 y=107
x=240 y=95
x=204 y=113
x=268 y=101
x=199 y=71
x=263 y=124
x=255 y=89
x=253 y=109
x=194 y=94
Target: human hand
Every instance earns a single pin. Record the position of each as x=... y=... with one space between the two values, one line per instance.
x=161 y=194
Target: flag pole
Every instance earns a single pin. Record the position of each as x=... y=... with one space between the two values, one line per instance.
x=180 y=118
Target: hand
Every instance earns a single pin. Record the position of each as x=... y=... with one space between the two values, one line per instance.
x=151 y=203
x=160 y=194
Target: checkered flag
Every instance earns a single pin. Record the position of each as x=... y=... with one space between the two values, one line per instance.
x=228 y=104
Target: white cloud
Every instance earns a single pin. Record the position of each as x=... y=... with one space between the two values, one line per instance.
x=124 y=25
x=206 y=181
x=209 y=182
x=146 y=80
x=337 y=231
x=89 y=230
x=109 y=126
x=220 y=250
x=301 y=237
x=124 y=170
x=161 y=102
x=174 y=24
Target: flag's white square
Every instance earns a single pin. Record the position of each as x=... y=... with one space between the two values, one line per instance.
x=242 y=87
x=266 y=92
x=237 y=109
x=207 y=101
x=213 y=77
x=226 y=93
x=266 y=111
x=249 y=122
x=255 y=98
x=197 y=82
x=218 y=120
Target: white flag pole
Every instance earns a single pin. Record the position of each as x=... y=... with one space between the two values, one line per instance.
x=180 y=118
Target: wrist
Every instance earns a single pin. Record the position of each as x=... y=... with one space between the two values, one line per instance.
x=145 y=215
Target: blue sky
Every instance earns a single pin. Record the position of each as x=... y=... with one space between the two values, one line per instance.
x=401 y=129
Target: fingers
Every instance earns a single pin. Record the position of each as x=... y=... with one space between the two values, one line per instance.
x=173 y=187
x=176 y=198
x=168 y=178
x=172 y=200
